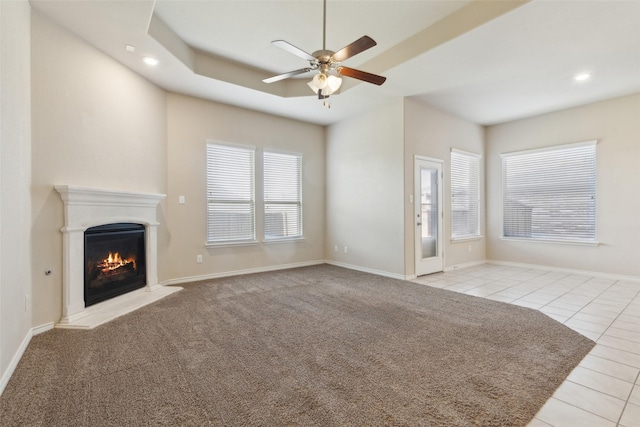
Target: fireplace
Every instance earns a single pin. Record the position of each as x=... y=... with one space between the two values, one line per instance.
x=114 y=261
x=121 y=231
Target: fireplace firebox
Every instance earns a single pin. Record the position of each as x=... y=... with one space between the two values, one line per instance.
x=114 y=261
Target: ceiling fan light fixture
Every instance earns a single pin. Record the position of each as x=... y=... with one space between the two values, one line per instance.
x=325 y=84
x=319 y=81
x=334 y=83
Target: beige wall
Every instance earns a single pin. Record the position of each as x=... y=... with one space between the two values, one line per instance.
x=95 y=124
x=191 y=122
x=15 y=179
x=432 y=133
x=364 y=190
x=616 y=126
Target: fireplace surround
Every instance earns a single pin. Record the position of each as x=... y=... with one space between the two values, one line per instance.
x=85 y=208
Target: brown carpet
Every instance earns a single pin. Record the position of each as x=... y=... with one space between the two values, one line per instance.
x=314 y=346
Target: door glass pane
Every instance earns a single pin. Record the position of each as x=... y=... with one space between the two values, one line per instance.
x=429 y=212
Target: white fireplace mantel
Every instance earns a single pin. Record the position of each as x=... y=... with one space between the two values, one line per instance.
x=89 y=207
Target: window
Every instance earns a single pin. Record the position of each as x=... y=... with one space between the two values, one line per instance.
x=465 y=195
x=282 y=196
x=549 y=194
x=231 y=194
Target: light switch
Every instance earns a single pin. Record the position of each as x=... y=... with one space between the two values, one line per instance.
x=181 y=200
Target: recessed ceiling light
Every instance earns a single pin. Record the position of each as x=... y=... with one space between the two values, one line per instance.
x=129 y=48
x=150 y=61
x=582 y=77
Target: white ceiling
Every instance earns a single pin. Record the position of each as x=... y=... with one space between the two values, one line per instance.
x=485 y=61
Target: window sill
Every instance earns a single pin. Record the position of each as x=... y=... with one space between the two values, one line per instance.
x=231 y=244
x=467 y=239
x=553 y=242
x=286 y=240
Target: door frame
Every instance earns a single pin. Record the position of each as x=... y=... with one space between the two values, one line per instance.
x=433 y=264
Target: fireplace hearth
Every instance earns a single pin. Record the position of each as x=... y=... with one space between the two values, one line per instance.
x=114 y=261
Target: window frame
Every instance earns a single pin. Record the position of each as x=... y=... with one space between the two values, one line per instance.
x=299 y=203
x=478 y=225
x=556 y=239
x=250 y=238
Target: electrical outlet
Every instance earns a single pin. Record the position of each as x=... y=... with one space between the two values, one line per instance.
x=346 y=250
x=199 y=259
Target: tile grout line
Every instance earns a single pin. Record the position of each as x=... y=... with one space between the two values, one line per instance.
x=528 y=293
x=559 y=296
x=614 y=320
x=586 y=410
x=593 y=389
x=603 y=333
x=622 y=311
x=596 y=341
x=617 y=361
x=602 y=373
x=592 y=299
x=627 y=401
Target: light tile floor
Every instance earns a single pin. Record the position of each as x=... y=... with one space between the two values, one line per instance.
x=604 y=390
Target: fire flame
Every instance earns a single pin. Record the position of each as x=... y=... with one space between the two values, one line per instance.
x=114 y=261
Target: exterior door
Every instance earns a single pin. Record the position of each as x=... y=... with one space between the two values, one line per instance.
x=428 y=216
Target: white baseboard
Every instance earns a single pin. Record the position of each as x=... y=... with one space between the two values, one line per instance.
x=42 y=328
x=239 y=272
x=368 y=270
x=566 y=270
x=465 y=265
x=15 y=360
x=20 y=352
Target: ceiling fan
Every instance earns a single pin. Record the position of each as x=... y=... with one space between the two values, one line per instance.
x=327 y=62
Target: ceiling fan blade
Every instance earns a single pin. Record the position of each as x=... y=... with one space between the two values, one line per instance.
x=286 y=75
x=360 y=45
x=294 y=50
x=361 y=75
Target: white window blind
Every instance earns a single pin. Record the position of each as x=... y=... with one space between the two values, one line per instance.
x=465 y=195
x=549 y=194
x=231 y=194
x=282 y=195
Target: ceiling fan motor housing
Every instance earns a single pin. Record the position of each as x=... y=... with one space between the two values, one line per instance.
x=323 y=60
